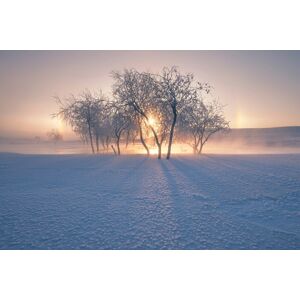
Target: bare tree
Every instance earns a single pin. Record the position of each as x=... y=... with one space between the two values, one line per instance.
x=214 y=122
x=159 y=123
x=106 y=127
x=120 y=123
x=202 y=120
x=177 y=91
x=101 y=125
x=148 y=106
x=140 y=122
x=82 y=113
x=139 y=92
x=137 y=128
x=54 y=135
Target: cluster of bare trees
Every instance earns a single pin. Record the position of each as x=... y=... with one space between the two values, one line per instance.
x=152 y=108
x=53 y=135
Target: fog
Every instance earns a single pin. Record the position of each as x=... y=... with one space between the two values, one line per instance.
x=256 y=141
x=236 y=141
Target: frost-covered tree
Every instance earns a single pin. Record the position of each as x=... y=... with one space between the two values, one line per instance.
x=147 y=106
x=101 y=126
x=138 y=129
x=139 y=91
x=142 y=133
x=83 y=113
x=177 y=91
x=121 y=121
x=202 y=119
x=213 y=122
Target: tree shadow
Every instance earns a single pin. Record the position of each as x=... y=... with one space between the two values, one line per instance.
x=186 y=209
x=198 y=176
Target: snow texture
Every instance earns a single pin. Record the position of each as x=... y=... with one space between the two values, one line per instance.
x=134 y=202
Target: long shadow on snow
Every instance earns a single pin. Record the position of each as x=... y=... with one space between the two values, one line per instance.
x=116 y=232
x=188 y=212
x=229 y=241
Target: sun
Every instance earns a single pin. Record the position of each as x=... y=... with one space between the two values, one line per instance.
x=59 y=125
x=151 y=121
x=153 y=151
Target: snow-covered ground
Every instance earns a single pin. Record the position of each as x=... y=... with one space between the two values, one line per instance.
x=134 y=202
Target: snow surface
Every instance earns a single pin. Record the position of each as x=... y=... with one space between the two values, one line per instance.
x=134 y=202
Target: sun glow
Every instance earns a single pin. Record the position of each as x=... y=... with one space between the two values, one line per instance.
x=242 y=120
x=152 y=121
x=153 y=151
x=150 y=124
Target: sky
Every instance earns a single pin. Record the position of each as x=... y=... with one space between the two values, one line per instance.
x=258 y=88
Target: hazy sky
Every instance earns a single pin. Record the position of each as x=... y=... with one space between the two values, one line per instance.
x=259 y=88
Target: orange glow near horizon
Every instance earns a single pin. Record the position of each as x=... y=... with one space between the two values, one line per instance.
x=241 y=120
x=153 y=151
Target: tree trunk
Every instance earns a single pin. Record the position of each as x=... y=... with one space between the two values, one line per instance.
x=171 y=134
x=97 y=142
x=201 y=148
x=107 y=142
x=195 y=149
x=127 y=138
x=159 y=151
x=158 y=144
x=118 y=146
x=103 y=143
x=142 y=140
x=112 y=146
x=134 y=138
x=91 y=139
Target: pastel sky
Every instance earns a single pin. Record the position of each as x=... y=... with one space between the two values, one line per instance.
x=259 y=88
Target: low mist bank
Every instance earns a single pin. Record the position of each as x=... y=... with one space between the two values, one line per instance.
x=256 y=141
x=236 y=141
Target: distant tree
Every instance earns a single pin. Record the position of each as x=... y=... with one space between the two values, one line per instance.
x=37 y=139
x=54 y=135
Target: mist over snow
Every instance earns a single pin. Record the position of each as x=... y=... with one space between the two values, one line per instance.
x=278 y=140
